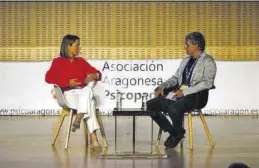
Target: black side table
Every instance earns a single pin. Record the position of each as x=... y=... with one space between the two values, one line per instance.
x=131 y=112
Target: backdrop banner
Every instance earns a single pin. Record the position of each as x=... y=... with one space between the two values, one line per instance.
x=25 y=92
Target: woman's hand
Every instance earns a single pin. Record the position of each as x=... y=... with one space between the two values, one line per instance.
x=91 y=77
x=74 y=83
x=159 y=91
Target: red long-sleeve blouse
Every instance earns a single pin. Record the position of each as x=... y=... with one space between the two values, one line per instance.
x=63 y=69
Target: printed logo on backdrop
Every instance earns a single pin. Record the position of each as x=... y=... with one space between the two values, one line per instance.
x=214 y=111
x=132 y=79
x=25 y=111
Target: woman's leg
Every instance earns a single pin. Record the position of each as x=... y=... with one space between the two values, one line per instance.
x=81 y=100
x=91 y=119
x=93 y=125
x=84 y=106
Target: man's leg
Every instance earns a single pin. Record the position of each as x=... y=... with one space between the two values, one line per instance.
x=176 y=112
x=155 y=107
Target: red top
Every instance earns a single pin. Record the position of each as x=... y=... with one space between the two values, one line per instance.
x=63 y=69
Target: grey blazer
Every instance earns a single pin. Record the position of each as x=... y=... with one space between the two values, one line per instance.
x=202 y=78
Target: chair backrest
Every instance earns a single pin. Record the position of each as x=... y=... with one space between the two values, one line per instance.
x=203 y=98
x=60 y=97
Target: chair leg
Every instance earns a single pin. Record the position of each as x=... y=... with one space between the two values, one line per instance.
x=206 y=128
x=190 y=130
x=183 y=127
x=69 y=128
x=99 y=119
x=158 y=137
x=86 y=133
x=59 y=124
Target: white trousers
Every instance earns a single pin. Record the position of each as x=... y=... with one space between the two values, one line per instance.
x=83 y=101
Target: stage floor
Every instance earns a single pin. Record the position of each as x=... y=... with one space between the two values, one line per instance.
x=25 y=142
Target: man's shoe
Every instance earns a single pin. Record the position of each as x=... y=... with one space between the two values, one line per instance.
x=174 y=141
x=172 y=134
x=166 y=143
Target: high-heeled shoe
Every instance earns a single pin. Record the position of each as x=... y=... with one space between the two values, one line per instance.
x=96 y=147
x=77 y=122
x=76 y=125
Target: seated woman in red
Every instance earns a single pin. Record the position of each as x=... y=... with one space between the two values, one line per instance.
x=75 y=77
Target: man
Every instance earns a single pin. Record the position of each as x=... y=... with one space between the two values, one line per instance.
x=195 y=74
x=238 y=165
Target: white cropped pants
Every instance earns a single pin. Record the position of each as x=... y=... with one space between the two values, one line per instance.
x=83 y=101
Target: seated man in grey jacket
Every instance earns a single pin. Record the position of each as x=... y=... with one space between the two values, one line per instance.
x=196 y=73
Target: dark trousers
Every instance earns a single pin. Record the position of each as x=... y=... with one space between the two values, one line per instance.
x=160 y=106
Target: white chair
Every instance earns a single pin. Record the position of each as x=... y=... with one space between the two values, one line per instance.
x=67 y=111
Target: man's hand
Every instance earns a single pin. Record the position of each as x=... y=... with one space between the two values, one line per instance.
x=73 y=83
x=91 y=77
x=159 y=91
x=179 y=94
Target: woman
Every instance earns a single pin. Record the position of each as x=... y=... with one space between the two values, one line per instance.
x=75 y=75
